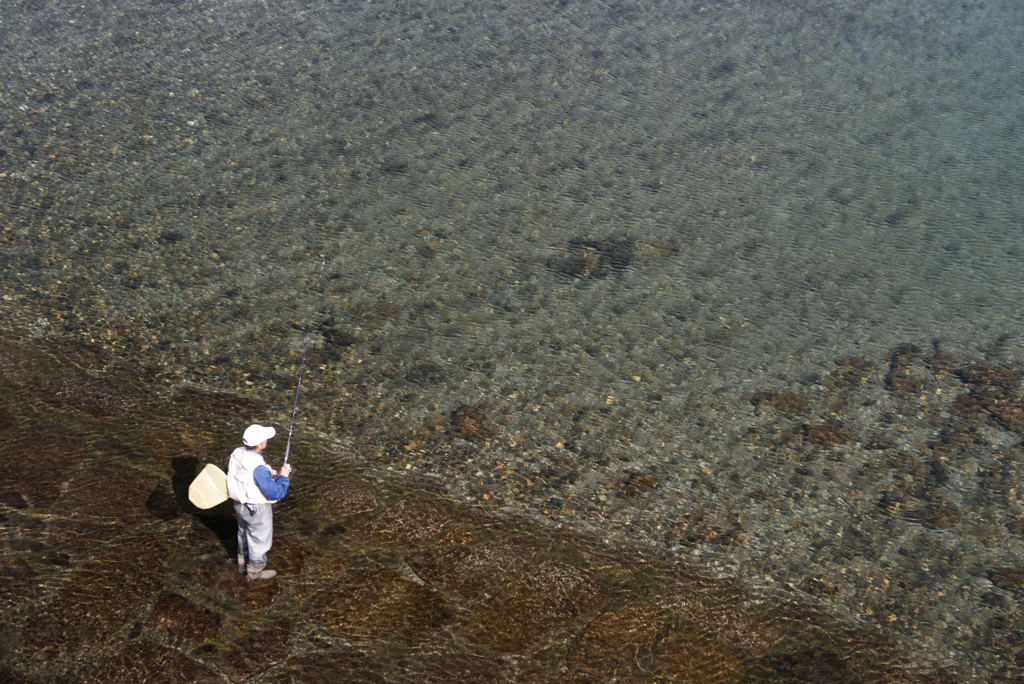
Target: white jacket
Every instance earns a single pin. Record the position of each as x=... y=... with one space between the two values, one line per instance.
x=242 y=485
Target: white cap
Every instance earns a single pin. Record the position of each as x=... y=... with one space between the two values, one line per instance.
x=254 y=434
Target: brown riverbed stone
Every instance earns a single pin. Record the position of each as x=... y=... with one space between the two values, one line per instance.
x=906 y=377
x=342 y=496
x=536 y=609
x=254 y=597
x=8 y=421
x=826 y=434
x=258 y=649
x=9 y=676
x=97 y=397
x=456 y=537
x=74 y=353
x=992 y=393
x=224 y=579
x=379 y=606
x=1011 y=579
x=615 y=640
x=469 y=422
x=784 y=402
x=114 y=449
x=55 y=453
x=596 y=258
x=141 y=662
x=105 y=500
x=340 y=665
x=288 y=557
x=852 y=372
x=979 y=375
x=729 y=626
x=180 y=449
x=98 y=599
x=17 y=581
x=177 y=616
x=330 y=566
x=459 y=669
x=464 y=572
x=812 y=665
x=410 y=522
x=15 y=366
x=688 y=656
x=227 y=408
x=542 y=677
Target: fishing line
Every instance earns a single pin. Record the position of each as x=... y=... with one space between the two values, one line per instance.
x=302 y=367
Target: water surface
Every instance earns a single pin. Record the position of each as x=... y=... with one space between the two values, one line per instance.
x=612 y=229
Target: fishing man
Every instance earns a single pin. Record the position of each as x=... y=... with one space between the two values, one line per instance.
x=255 y=487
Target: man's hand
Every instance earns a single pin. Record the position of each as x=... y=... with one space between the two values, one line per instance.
x=286 y=470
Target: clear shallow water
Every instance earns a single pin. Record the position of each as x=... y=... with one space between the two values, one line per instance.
x=772 y=187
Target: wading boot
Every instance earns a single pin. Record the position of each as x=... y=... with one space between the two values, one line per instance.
x=254 y=573
x=241 y=563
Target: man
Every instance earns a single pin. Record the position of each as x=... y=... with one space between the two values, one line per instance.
x=254 y=486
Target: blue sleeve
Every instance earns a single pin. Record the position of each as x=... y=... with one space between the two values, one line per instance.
x=271 y=488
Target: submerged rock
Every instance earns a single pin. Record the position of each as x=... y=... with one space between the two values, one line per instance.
x=784 y=402
x=15 y=366
x=459 y=669
x=469 y=422
x=225 y=580
x=97 y=397
x=8 y=421
x=176 y=616
x=826 y=434
x=258 y=649
x=141 y=661
x=581 y=258
x=222 y=406
x=379 y=606
x=993 y=393
x=536 y=609
x=587 y=258
x=55 y=453
x=614 y=641
x=17 y=581
x=715 y=620
x=178 y=448
x=341 y=665
x=688 y=656
x=105 y=500
x=99 y=599
x=465 y=572
x=343 y=496
x=409 y=523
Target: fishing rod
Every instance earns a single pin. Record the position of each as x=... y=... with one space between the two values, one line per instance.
x=302 y=367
